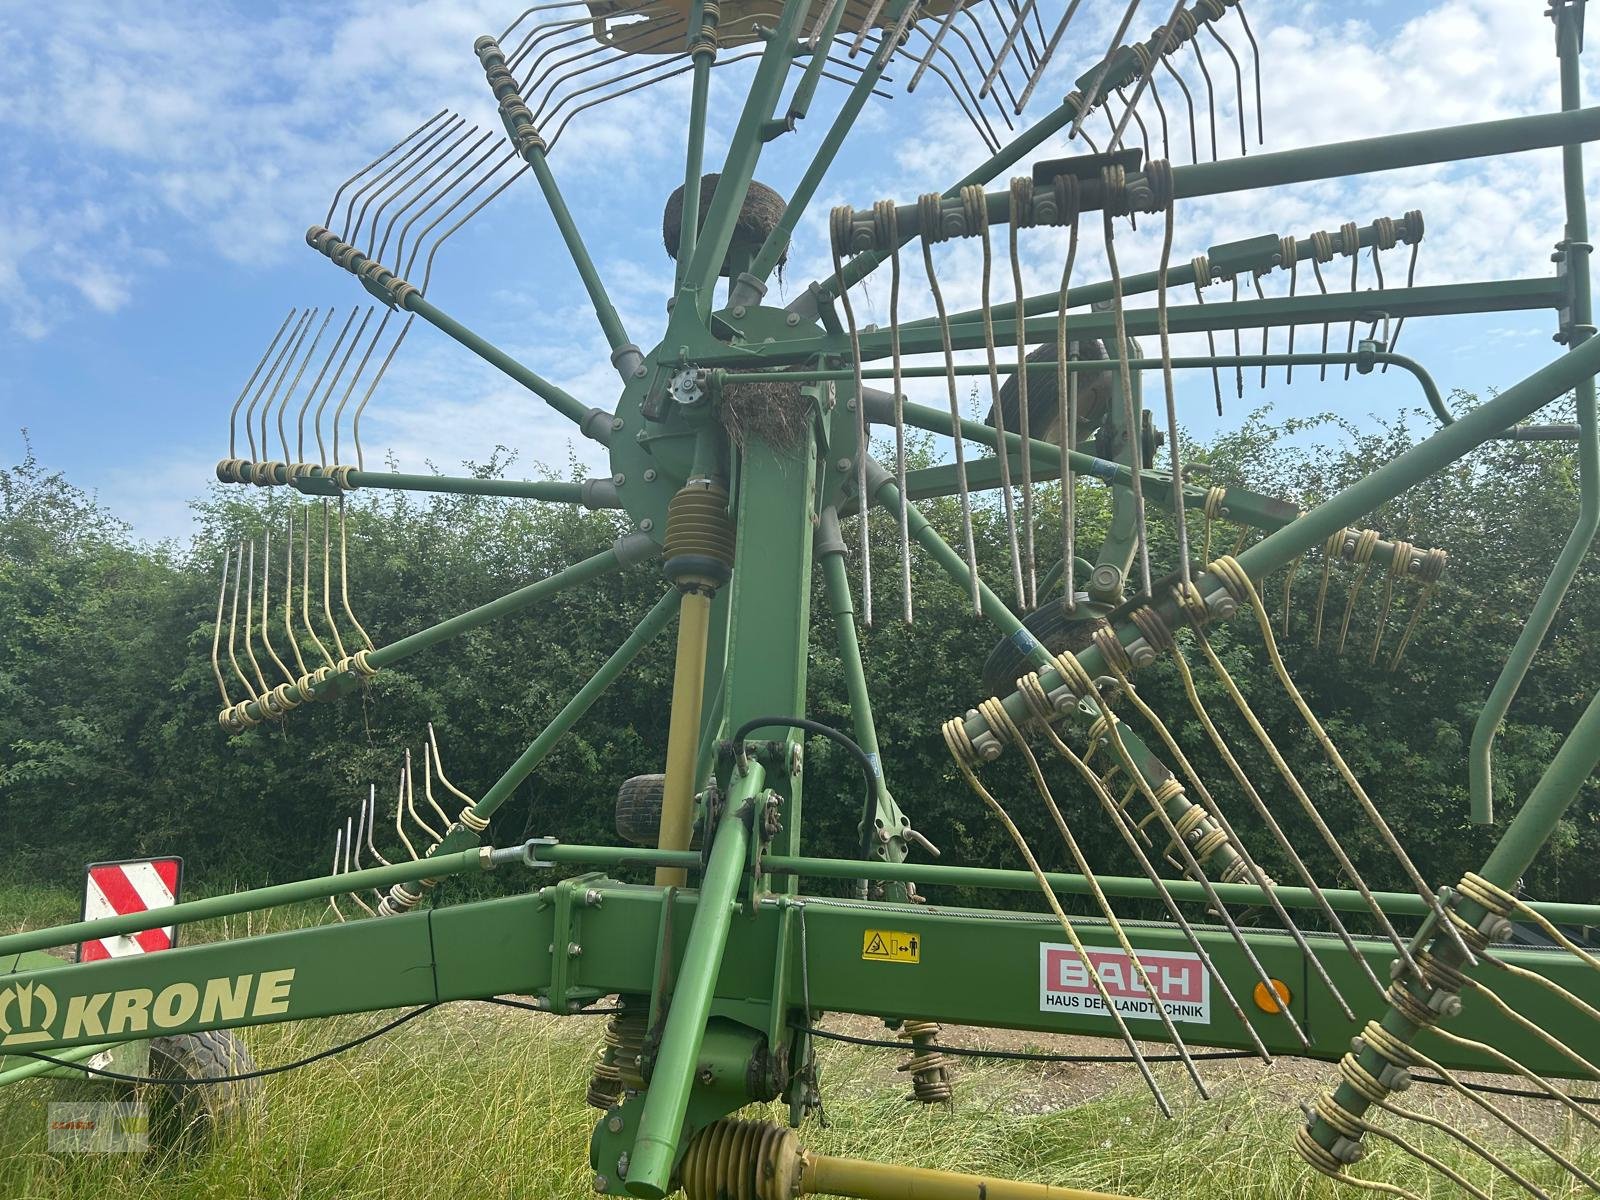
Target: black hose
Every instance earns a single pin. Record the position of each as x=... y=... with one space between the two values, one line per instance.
x=869 y=806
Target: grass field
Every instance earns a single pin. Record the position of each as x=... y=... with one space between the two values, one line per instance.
x=473 y=1100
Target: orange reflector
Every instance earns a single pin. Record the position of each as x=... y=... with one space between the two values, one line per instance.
x=1266 y=1001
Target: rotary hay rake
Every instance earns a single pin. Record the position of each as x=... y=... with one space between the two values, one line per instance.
x=740 y=451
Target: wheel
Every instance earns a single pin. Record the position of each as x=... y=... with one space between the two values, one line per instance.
x=639 y=810
x=1056 y=631
x=190 y=1117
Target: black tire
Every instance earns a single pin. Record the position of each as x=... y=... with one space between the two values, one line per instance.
x=639 y=810
x=1053 y=627
x=185 y=1117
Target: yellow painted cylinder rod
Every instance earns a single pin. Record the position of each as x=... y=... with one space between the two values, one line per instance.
x=825 y=1176
x=683 y=732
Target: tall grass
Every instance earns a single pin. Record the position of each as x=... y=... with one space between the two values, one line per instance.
x=475 y=1101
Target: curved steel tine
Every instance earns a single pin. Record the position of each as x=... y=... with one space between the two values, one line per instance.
x=467 y=172
x=338 y=854
x=344 y=580
x=1350 y=243
x=305 y=591
x=978 y=120
x=283 y=404
x=537 y=70
x=544 y=33
x=360 y=834
x=364 y=833
x=427 y=787
x=419 y=138
x=1322 y=286
x=372 y=816
x=966 y=84
x=233 y=414
x=936 y=41
x=423 y=169
x=349 y=842
x=980 y=61
x=288 y=598
x=1255 y=63
x=1211 y=341
x=866 y=26
x=1146 y=78
x=892 y=40
x=216 y=634
x=1211 y=93
x=1238 y=352
x=487 y=138
x=1046 y=55
x=591 y=56
x=545 y=106
x=999 y=56
x=266 y=589
x=438 y=764
x=1007 y=492
x=1188 y=100
x=311 y=392
x=333 y=206
x=411 y=803
x=427 y=271
x=1130 y=408
x=1255 y=280
x=1067 y=415
x=1030 y=596
x=372 y=344
x=1091 y=94
x=897 y=383
x=1377 y=271
x=355 y=419
x=250 y=622
x=277 y=383
x=1127 y=111
x=387 y=184
x=1294 y=286
x=249 y=413
x=670 y=29
x=327 y=604
x=1238 y=81
x=824 y=14
x=1411 y=279
x=528 y=12
x=399 y=811
x=429 y=175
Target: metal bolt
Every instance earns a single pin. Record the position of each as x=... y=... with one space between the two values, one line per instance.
x=622 y=1164
x=1143 y=656
x=616 y=422
x=592 y=897
x=851 y=404
x=738 y=311
x=792 y=320
x=614 y=1125
x=647 y=525
x=601 y=1183
x=574 y=1005
x=619 y=479
x=843 y=464
x=574 y=950
x=649 y=474
x=707 y=1076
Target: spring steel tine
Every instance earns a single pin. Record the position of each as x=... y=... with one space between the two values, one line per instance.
x=338 y=412
x=1144 y=132
x=349 y=841
x=1211 y=337
x=1046 y=54
x=418 y=137
x=528 y=12
x=327 y=605
x=544 y=33
x=426 y=169
x=277 y=381
x=1238 y=351
x=1290 y=255
x=1350 y=244
x=1255 y=282
x=1091 y=94
x=266 y=588
x=839 y=230
x=250 y=622
x=283 y=404
x=355 y=420
x=1155 y=96
x=433 y=180
x=979 y=59
x=1067 y=417
x=1006 y=45
x=999 y=55
x=888 y=44
x=866 y=25
x=216 y=633
x=1130 y=415
x=1411 y=279
x=372 y=809
x=411 y=802
x=434 y=246
x=1146 y=76
x=537 y=69
x=360 y=834
x=344 y=581
x=1238 y=80
x=233 y=415
x=897 y=383
x=438 y=765
x=288 y=594
x=334 y=204
x=305 y=590
x=1174 y=448
x=1377 y=270
x=1007 y=499
x=1255 y=64
x=936 y=41
x=311 y=392
x=964 y=92
x=399 y=810
x=978 y=120
x=1211 y=93
x=470 y=171
x=1188 y=100
x=386 y=184
x=427 y=786
x=544 y=102
x=1020 y=193
x=824 y=15
x=338 y=854
x=249 y=413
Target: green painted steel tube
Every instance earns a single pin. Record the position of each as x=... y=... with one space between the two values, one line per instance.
x=694 y=155
x=778 y=240
x=655 y=1145
x=1449 y=444
x=1480 y=776
x=645 y=632
x=1003 y=880
x=40 y=1066
x=610 y=323
x=1360 y=157
x=593 y=423
x=387 y=656
x=190 y=911
x=739 y=168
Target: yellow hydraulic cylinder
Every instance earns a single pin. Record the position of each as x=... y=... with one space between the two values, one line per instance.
x=683 y=734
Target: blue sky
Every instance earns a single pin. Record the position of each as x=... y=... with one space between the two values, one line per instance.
x=161 y=163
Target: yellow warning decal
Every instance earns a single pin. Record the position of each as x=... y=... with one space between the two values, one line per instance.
x=890 y=945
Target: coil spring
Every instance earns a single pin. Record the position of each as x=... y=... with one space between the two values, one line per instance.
x=616 y=1065
x=751 y=1160
x=929 y=1069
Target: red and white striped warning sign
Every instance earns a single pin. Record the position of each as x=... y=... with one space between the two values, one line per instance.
x=116 y=889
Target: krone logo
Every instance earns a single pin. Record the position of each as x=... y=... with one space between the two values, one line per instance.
x=27 y=1010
